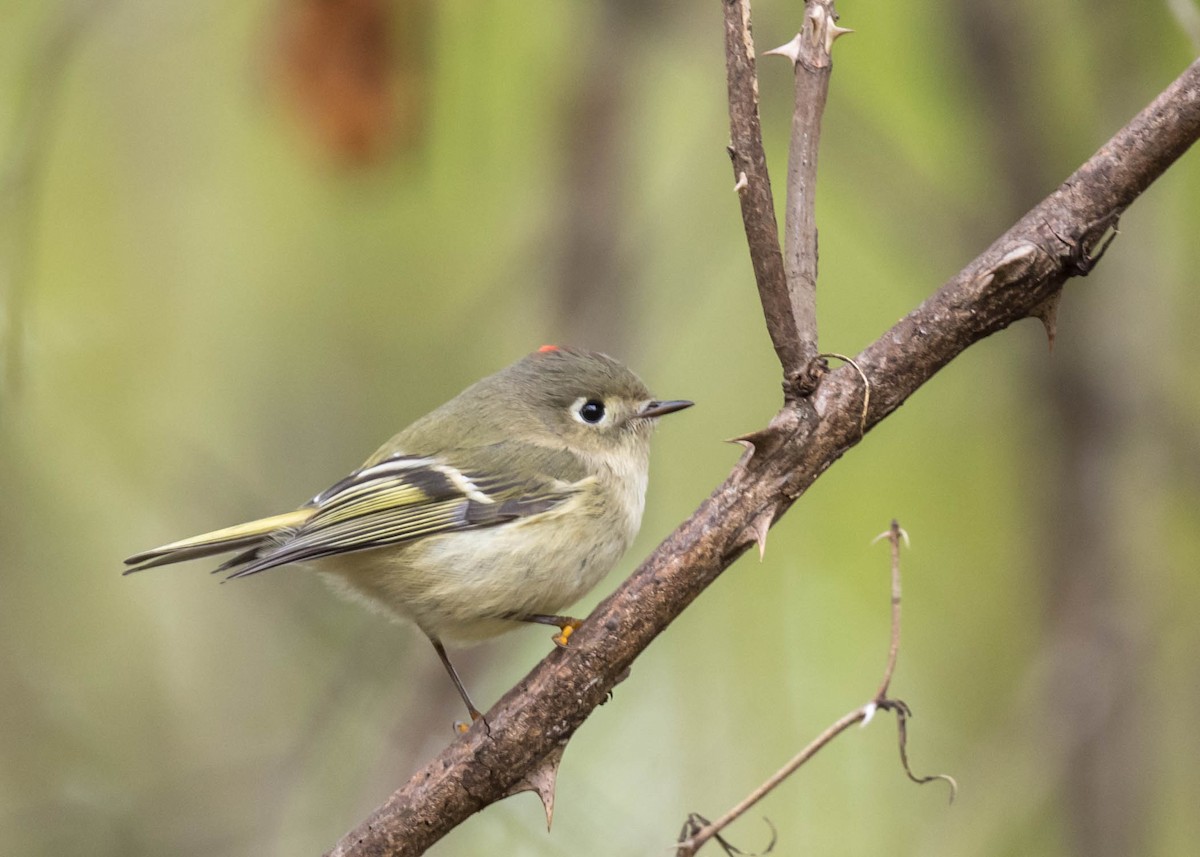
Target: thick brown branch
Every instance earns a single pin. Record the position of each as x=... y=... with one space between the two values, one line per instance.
x=1007 y=282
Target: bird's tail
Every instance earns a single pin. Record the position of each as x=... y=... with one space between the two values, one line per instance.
x=251 y=536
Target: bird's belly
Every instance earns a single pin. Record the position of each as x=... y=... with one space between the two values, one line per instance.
x=458 y=587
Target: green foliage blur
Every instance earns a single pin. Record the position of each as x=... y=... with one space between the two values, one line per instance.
x=210 y=315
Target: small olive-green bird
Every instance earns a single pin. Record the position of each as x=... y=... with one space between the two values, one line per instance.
x=504 y=505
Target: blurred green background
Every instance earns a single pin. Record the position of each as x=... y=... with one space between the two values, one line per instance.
x=243 y=243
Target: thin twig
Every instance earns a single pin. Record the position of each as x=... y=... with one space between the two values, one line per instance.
x=893 y=535
x=693 y=843
x=689 y=846
x=696 y=822
x=903 y=712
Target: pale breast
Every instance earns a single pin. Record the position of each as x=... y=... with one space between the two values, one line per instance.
x=455 y=586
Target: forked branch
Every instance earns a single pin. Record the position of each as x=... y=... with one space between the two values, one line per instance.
x=787 y=280
x=1009 y=281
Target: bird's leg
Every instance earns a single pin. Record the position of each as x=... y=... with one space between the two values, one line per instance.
x=565 y=624
x=462 y=691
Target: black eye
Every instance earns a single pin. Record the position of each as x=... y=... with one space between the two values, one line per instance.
x=592 y=411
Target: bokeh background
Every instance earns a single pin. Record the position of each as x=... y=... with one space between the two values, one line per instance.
x=243 y=243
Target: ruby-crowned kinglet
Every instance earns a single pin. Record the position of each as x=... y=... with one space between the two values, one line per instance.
x=504 y=505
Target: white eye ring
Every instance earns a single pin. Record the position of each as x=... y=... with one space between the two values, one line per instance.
x=590 y=412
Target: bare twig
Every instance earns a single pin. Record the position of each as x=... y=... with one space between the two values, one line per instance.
x=696 y=838
x=696 y=822
x=1006 y=283
x=903 y=712
x=754 y=188
x=894 y=534
x=693 y=843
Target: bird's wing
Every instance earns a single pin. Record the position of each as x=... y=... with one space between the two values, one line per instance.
x=407 y=497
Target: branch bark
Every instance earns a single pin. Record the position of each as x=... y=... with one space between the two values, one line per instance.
x=753 y=185
x=1012 y=279
x=810 y=53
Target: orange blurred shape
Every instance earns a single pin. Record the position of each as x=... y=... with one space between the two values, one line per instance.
x=354 y=71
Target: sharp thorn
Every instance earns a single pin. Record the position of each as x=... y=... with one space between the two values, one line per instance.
x=791 y=50
x=1047 y=313
x=760 y=527
x=832 y=34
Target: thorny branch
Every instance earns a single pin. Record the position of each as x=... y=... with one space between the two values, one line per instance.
x=809 y=53
x=1013 y=279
